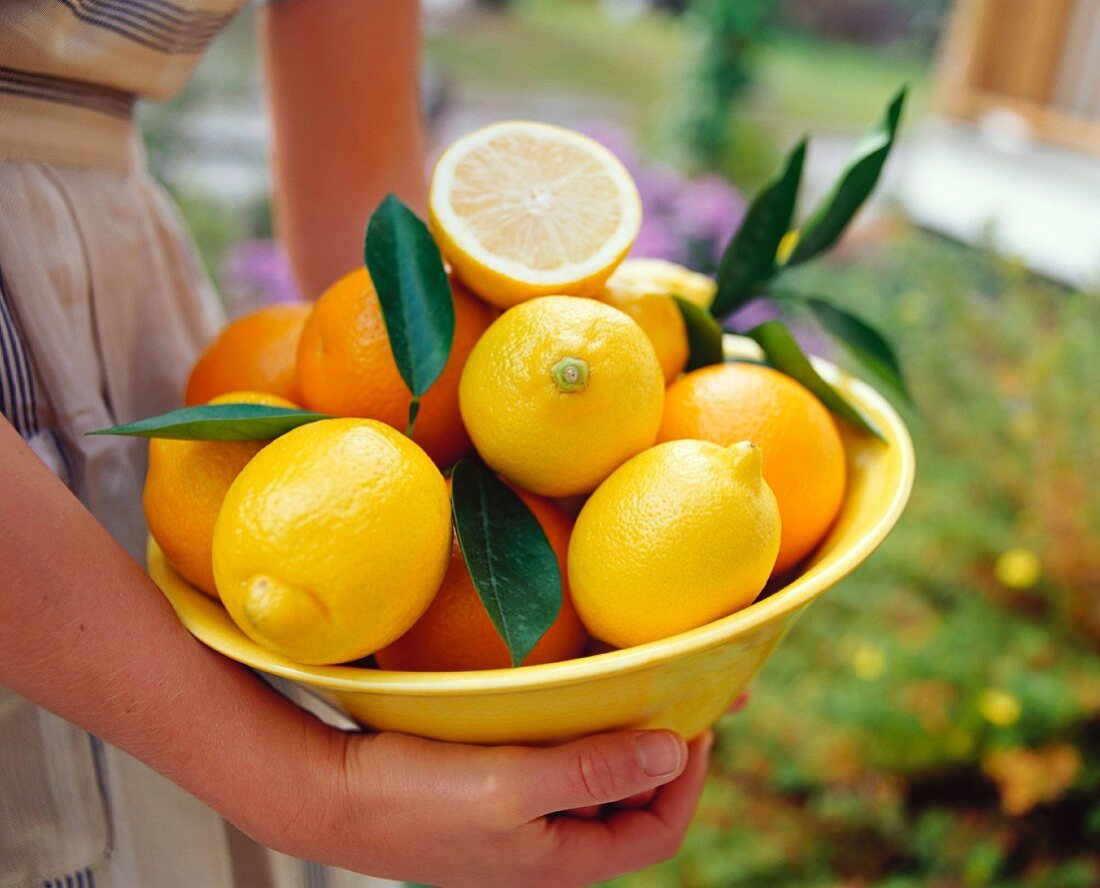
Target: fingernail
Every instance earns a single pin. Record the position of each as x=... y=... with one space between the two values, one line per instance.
x=658 y=752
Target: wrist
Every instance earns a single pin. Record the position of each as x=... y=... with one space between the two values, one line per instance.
x=291 y=786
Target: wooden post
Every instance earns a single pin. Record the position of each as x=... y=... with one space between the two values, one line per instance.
x=1012 y=55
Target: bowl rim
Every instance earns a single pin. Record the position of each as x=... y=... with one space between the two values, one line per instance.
x=783 y=603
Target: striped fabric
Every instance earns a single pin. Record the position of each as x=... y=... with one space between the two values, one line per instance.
x=71 y=72
x=69 y=92
x=18 y=402
x=81 y=879
x=157 y=24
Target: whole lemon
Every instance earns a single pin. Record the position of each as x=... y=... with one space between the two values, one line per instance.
x=682 y=534
x=559 y=392
x=333 y=540
x=184 y=488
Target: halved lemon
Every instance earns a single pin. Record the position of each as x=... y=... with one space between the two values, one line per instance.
x=637 y=278
x=525 y=209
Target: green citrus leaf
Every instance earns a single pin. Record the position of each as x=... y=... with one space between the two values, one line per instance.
x=749 y=258
x=827 y=223
x=784 y=353
x=414 y=293
x=218 y=422
x=703 y=334
x=512 y=564
x=863 y=342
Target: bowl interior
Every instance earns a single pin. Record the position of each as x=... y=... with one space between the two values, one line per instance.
x=880 y=476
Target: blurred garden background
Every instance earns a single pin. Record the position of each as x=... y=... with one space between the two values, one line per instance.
x=935 y=719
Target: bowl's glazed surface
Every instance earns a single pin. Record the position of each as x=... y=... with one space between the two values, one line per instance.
x=684 y=682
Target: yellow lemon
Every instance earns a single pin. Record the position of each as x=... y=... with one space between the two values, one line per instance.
x=333 y=540
x=645 y=277
x=524 y=209
x=184 y=489
x=678 y=536
x=559 y=392
x=662 y=322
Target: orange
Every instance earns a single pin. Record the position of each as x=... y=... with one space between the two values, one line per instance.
x=255 y=353
x=184 y=489
x=456 y=634
x=346 y=365
x=803 y=454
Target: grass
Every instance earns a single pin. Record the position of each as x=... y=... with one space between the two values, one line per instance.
x=569 y=46
x=561 y=46
x=831 y=87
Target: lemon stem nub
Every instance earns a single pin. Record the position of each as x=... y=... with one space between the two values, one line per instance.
x=570 y=374
x=748 y=460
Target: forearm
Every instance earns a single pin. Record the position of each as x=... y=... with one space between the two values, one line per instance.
x=343 y=86
x=85 y=633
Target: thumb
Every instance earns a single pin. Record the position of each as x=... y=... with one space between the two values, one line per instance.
x=600 y=769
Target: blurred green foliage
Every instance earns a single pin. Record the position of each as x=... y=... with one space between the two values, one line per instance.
x=720 y=74
x=641 y=70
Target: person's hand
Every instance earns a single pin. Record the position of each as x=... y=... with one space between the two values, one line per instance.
x=457 y=815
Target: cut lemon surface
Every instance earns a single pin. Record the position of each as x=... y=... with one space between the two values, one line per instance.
x=525 y=209
x=637 y=278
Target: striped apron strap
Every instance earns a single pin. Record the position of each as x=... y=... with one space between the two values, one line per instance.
x=18 y=396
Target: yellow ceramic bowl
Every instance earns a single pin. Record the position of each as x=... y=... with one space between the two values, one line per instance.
x=685 y=682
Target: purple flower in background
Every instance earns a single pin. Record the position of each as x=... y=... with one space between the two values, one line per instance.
x=615 y=139
x=752 y=314
x=255 y=273
x=659 y=239
x=660 y=186
x=684 y=220
x=709 y=210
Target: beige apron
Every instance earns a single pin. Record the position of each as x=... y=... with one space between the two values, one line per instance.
x=106 y=303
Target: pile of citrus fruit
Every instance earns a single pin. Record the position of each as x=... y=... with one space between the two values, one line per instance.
x=669 y=499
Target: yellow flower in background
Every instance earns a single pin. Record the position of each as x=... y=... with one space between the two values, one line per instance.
x=1018 y=568
x=868 y=662
x=1030 y=777
x=999 y=708
x=786 y=246
x=959 y=743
